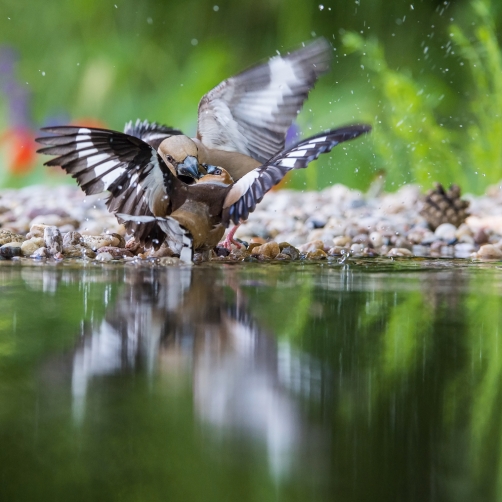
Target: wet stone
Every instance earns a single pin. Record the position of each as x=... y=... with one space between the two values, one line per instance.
x=53 y=240
x=119 y=253
x=29 y=246
x=361 y=239
x=489 y=251
x=6 y=236
x=481 y=236
x=312 y=246
x=291 y=251
x=238 y=254
x=72 y=239
x=402 y=242
x=104 y=257
x=169 y=261
x=202 y=256
x=37 y=230
x=336 y=251
x=73 y=251
x=222 y=251
x=134 y=246
x=376 y=239
x=40 y=253
x=317 y=254
x=446 y=232
x=342 y=241
x=10 y=250
x=163 y=251
x=464 y=250
x=399 y=252
x=269 y=250
x=95 y=242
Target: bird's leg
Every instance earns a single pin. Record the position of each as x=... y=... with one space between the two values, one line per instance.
x=229 y=239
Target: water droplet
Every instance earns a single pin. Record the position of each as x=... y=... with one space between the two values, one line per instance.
x=216 y=8
x=194 y=41
x=321 y=7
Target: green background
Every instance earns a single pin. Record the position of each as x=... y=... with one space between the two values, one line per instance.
x=425 y=74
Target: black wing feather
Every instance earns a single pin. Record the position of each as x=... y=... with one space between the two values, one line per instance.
x=250 y=189
x=129 y=168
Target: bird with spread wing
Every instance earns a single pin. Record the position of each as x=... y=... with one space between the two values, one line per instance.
x=151 y=171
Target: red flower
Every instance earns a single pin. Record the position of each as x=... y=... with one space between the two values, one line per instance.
x=22 y=150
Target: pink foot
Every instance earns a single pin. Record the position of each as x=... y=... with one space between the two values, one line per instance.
x=229 y=240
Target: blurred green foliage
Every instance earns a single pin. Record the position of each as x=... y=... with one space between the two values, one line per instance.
x=413 y=139
x=98 y=62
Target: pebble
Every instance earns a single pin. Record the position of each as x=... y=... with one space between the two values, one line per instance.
x=168 y=261
x=40 y=253
x=336 y=221
x=464 y=249
x=10 y=250
x=402 y=242
x=357 y=248
x=309 y=247
x=53 y=240
x=6 y=236
x=72 y=239
x=269 y=250
x=105 y=256
x=72 y=251
x=376 y=239
x=161 y=252
x=481 y=236
x=29 y=246
x=489 y=252
x=342 y=241
x=446 y=232
x=120 y=253
x=95 y=242
x=37 y=230
x=399 y=252
x=336 y=251
x=290 y=251
x=317 y=254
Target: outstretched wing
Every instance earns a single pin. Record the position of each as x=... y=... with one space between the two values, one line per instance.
x=150 y=132
x=251 y=112
x=178 y=238
x=250 y=189
x=130 y=169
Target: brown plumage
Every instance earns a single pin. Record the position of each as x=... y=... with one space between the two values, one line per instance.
x=198 y=213
x=242 y=123
x=152 y=171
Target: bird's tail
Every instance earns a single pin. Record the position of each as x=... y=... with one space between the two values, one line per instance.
x=178 y=238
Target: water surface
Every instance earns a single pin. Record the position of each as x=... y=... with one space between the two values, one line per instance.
x=372 y=380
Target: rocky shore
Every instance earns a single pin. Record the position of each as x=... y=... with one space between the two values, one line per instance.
x=56 y=223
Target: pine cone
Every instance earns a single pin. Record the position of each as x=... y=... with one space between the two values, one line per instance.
x=440 y=206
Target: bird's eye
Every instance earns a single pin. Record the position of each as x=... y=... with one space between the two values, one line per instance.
x=169 y=159
x=217 y=171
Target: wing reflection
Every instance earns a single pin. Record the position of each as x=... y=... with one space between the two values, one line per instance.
x=244 y=380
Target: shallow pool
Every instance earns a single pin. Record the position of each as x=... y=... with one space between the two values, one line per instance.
x=372 y=380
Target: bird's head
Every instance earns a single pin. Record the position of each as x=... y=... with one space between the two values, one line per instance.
x=216 y=174
x=180 y=154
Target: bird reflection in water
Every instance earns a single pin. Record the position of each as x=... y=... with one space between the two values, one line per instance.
x=245 y=381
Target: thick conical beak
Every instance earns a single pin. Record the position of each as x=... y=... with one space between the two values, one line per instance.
x=190 y=167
